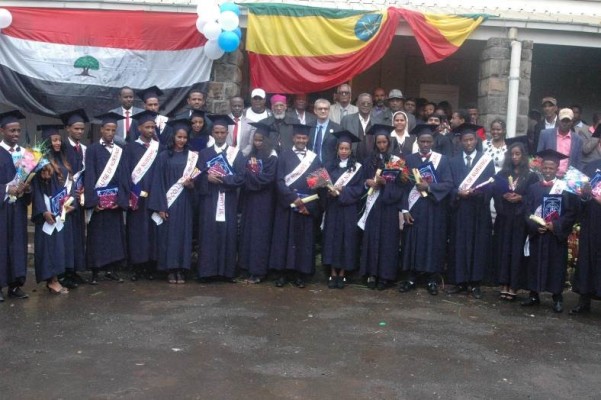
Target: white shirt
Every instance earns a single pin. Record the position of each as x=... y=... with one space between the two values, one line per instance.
x=364 y=122
x=254 y=117
x=472 y=157
x=83 y=150
x=108 y=148
x=16 y=154
x=221 y=149
x=123 y=111
x=549 y=125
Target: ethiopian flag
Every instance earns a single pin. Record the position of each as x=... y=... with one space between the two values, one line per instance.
x=299 y=49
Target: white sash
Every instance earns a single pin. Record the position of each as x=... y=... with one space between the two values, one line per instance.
x=371 y=200
x=347 y=176
x=414 y=194
x=230 y=154
x=475 y=173
x=110 y=168
x=300 y=168
x=145 y=162
x=177 y=188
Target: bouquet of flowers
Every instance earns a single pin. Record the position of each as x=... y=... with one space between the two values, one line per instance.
x=254 y=166
x=30 y=162
x=218 y=165
x=395 y=167
x=535 y=164
x=320 y=178
x=575 y=180
x=596 y=184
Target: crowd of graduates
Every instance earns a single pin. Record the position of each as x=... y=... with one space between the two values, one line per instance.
x=405 y=212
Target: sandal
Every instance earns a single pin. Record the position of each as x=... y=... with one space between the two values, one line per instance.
x=179 y=278
x=171 y=278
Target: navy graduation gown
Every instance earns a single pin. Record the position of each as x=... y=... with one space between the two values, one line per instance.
x=51 y=251
x=106 y=233
x=293 y=241
x=258 y=199
x=471 y=225
x=141 y=231
x=424 y=242
x=340 y=231
x=76 y=223
x=380 y=247
x=549 y=251
x=174 y=234
x=13 y=231
x=510 y=231
x=217 y=247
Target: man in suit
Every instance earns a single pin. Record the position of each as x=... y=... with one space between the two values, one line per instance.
x=564 y=140
x=240 y=134
x=549 y=105
x=343 y=106
x=299 y=110
x=358 y=124
x=127 y=110
x=321 y=139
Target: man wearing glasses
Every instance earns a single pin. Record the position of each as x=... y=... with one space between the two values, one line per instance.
x=343 y=106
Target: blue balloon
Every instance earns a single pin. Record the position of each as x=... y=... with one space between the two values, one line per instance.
x=230 y=7
x=238 y=32
x=228 y=41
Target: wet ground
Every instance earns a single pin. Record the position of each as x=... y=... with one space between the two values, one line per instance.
x=151 y=340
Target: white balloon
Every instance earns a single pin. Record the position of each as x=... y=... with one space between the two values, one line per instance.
x=200 y=24
x=212 y=30
x=212 y=50
x=6 y=18
x=229 y=20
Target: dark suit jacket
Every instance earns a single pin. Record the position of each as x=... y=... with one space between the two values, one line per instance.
x=281 y=131
x=328 y=144
x=133 y=127
x=352 y=124
x=310 y=118
x=548 y=140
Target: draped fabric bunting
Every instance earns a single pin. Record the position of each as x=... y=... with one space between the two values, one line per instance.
x=301 y=49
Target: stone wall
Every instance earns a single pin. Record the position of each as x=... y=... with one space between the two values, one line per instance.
x=493 y=82
x=226 y=81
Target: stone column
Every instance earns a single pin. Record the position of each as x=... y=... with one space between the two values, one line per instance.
x=226 y=81
x=494 y=81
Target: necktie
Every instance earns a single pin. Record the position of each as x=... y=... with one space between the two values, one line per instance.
x=300 y=152
x=108 y=145
x=468 y=162
x=127 y=123
x=425 y=157
x=317 y=145
x=78 y=148
x=235 y=132
x=547 y=183
x=12 y=150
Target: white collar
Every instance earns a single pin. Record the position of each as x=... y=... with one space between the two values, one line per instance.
x=220 y=149
x=7 y=147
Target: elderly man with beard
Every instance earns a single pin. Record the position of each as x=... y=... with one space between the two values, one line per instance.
x=358 y=124
x=280 y=123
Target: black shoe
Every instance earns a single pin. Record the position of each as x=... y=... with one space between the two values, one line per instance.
x=1 y=297
x=581 y=309
x=112 y=276
x=280 y=282
x=382 y=284
x=17 y=293
x=150 y=275
x=406 y=286
x=299 y=283
x=371 y=282
x=557 y=303
x=532 y=301
x=340 y=282
x=69 y=283
x=75 y=277
x=457 y=289
x=476 y=292
x=333 y=282
x=94 y=279
x=433 y=288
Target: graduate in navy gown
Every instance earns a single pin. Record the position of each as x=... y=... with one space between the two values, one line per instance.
x=200 y=135
x=171 y=199
x=380 y=219
x=548 y=243
x=218 y=188
x=257 y=203
x=14 y=199
x=340 y=251
x=587 y=279
x=52 y=190
x=106 y=198
x=150 y=97
x=141 y=156
x=510 y=229
x=471 y=222
x=424 y=232
x=293 y=242
x=75 y=124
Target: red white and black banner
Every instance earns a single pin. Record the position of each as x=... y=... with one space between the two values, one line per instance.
x=56 y=60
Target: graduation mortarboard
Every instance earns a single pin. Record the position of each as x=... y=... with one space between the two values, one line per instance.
x=10 y=117
x=49 y=130
x=262 y=128
x=518 y=139
x=197 y=113
x=180 y=123
x=300 y=129
x=551 y=155
x=423 y=129
x=145 y=116
x=71 y=117
x=152 y=92
x=108 y=118
x=346 y=136
x=380 y=129
x=221 y=119
x=466 y=128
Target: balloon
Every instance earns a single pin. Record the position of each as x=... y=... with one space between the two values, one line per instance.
x=228 y=41
x=212 y=50
x=238 y=32
x=229 y=20
x=200 y=24
x=211 y=30
x=230 y=7
x=208 y=12
x=6 y=18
